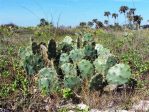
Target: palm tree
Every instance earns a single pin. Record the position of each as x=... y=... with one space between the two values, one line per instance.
x=82 y=24
x=94 y=20
x=137 y=20
x=147 y=22
x=106 y=22
x=99 y=24
x=90 y=24
x=115 y=16
x=130 y=18
x=123 y=9
x=132 y=11
x=107 y=14
x=43 y=22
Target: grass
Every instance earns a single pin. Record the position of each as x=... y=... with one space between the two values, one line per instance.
x=19 y=92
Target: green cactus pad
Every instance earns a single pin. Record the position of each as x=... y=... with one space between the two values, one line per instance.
x=100 y=65
x=88 y=37
x=96 y=82
x=32 y=64
x=64 y=58
x=49 y=77
x=118 y=74
x=24 y=52
x=111 y=61
x=89 y=51
x=69 y=69
x=76 y=55
x=72 y=82
x=103 y=52
x=98 y=47
x=86 y=68
x=44 y=84
x=49 y=73
x=68 y=40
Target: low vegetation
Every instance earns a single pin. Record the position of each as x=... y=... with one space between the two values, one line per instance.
x=45 y=67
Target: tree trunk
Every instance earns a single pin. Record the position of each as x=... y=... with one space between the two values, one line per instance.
x=125 y=21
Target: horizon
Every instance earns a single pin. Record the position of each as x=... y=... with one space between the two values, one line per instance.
x=69 y=12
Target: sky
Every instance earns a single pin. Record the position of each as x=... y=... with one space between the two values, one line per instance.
x=66 y=12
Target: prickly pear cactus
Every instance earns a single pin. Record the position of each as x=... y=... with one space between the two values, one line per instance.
x=100 y=65
x=78 y=43
x=96 y=82
x=76 y=55
x=110 y=62
x=98 y=47
x=24 y=52
x=74 y=64
x=35 y=48
x=87 y=37
x=68 y=40
x=65 y=47
x=69 y=69
x=118 y=74
x=52 y=49
x=89 y=51
x=72 y=82
x=64 y=58
x=49 y=73
x=86 y=68
x=102 y=52
x=103 y=64
x=32 y=64
x=105 y=52
x=44 y=84
x=48 y=79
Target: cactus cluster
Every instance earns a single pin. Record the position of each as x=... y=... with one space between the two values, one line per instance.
x=76 y=62
x=31 y=63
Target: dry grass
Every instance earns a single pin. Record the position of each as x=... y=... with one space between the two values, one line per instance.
x=112 y=99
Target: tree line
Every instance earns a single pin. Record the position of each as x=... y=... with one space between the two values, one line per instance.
x=132 y=20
